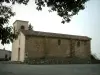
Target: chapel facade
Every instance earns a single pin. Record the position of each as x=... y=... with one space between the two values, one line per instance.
x=32 y=44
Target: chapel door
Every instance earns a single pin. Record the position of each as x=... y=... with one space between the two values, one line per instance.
x=19 y=54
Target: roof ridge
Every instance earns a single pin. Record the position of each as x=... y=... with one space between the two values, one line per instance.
x=50 y=34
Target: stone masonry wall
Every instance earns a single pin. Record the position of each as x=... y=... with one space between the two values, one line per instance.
x=40 y=47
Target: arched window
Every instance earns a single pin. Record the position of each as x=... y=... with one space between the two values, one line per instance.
x=22 y=27
x=59 y=41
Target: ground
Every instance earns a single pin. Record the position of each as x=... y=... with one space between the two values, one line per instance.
x=71 y=69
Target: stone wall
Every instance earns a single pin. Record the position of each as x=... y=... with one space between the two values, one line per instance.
x=39 y=47
x=34 y=47
x=55 y=48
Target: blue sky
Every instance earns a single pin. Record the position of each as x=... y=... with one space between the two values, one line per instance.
x=87 y=22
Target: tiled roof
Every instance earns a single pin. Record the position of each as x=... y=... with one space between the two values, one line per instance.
x=48 y=34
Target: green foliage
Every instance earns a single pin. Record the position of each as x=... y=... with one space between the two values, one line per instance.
x=64 y=8
x=6 y=32
x=30 y=27
x=15 y=1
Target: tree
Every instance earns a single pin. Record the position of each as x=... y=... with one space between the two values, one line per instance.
x=6 y=32
x=30 y=27
x=64 y=8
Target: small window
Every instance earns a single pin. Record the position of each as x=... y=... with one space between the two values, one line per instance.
x=78 y=44
x=18 y=48
x=59 y=42
x=22 y=27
